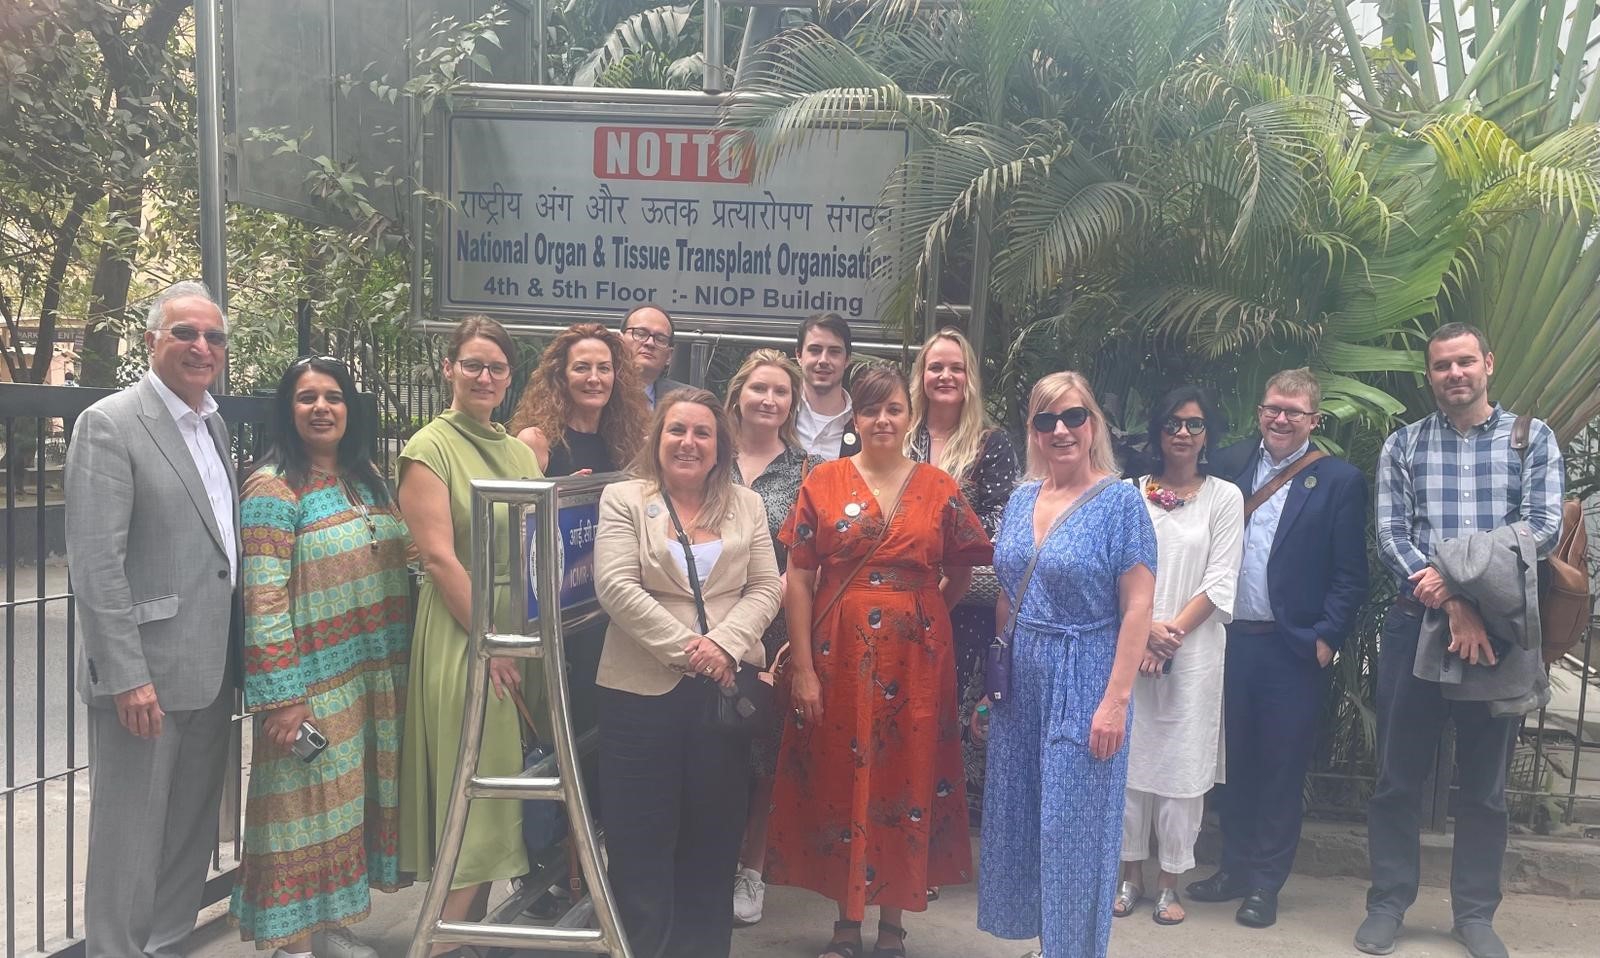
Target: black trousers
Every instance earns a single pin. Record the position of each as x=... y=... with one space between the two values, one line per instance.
x=1272 y=702
x=1411 y=717
x=673 y=797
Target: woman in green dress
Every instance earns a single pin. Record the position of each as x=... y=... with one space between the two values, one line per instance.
x=437 y=467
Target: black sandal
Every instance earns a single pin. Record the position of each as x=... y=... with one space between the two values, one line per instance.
x=842 y=947
x=897 y=951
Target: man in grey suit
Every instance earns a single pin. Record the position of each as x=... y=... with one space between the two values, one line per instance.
x=647 y=333
x=153 y=546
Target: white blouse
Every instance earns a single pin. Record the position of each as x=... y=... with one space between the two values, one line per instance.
x=1176 y=746
x=706 y=555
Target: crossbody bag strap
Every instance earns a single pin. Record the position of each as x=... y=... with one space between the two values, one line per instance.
x=688 y=561
x=1260 y=496
x=894 y=509
x=1027 y=573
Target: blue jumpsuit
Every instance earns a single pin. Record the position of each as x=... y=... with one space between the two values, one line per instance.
x=1052 y=812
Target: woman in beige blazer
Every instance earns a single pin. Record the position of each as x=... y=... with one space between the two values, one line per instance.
x=672 y=789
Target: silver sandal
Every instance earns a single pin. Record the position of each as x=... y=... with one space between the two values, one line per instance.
x=1128 y=895
x=1167 y=898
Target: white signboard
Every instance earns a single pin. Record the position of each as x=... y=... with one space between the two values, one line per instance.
x=567 y=215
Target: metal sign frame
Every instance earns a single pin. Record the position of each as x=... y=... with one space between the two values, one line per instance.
x=542 y=499
x=645 y=106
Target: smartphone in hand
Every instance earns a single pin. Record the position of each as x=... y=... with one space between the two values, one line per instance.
x=309 y=743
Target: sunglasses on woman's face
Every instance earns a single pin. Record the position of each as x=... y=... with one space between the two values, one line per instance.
x=1073 y=418
x=1194 y=424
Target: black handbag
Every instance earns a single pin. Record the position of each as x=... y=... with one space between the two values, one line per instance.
x=997 y=662
x=544 y=822
x=748 y=706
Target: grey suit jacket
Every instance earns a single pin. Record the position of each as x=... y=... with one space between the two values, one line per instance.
x=648 y=596
x=148 y=568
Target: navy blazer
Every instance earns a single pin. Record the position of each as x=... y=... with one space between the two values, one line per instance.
x=1317 y=573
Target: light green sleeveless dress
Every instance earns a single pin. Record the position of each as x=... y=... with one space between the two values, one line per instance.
x=458 y=450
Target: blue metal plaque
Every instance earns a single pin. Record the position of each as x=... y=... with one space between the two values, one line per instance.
x=577 y=523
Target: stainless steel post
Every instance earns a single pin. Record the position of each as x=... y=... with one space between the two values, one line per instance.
x=713 y=47
x=541 y=14
x=213 y=228
x=699 y=359
x=978 y=323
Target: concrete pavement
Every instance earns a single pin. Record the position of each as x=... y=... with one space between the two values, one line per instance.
x=1317 y=918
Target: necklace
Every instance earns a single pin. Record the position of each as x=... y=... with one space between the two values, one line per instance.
x=873 y=483
x=1169 y=499
x=361 y=507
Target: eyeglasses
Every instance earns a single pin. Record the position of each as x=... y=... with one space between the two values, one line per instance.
x=1269 y=413
x=184 y=333
x=641 y=335
x=1195 y=425
x=474 y=368
x=1073 y=418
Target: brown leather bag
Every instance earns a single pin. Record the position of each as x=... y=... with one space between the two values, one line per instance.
x=1565 y=602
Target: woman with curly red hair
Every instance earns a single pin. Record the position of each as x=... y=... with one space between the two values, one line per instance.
x=583 y=409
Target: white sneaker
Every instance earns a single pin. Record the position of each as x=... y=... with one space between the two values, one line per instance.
x=339 y=943
x=749 y=893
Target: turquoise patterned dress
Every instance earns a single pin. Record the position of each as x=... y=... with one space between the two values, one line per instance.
x=328 y=623
x=1052 y=812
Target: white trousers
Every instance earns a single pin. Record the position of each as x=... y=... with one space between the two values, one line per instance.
x=1177 y=825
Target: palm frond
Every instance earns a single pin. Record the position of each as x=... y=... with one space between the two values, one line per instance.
x=659 y=28
x=1067 y=210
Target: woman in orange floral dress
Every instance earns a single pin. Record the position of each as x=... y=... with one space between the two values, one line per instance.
x=869 y=807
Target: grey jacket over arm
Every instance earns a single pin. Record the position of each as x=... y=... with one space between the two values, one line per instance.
x=1498 y=571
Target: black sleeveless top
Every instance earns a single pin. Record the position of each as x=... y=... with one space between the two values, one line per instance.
x=582 y=450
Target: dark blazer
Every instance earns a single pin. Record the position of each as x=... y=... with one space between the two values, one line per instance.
x=665 y=385
x=1317 y=573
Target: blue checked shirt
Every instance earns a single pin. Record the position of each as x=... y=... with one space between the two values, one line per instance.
x=1435 y=483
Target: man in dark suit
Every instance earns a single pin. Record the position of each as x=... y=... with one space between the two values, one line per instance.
x=1302 y=581
x=153 y=546
x=647 y=334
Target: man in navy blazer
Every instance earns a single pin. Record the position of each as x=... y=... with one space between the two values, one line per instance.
x=1302 y=581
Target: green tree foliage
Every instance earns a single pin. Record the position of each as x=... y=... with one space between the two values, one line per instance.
x=1215 y=189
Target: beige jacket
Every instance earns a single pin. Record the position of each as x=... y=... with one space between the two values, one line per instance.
x=648 y=597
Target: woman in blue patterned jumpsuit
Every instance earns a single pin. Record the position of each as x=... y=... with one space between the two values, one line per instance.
x=1058 y=762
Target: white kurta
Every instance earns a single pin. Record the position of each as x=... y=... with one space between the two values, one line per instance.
x=1176 y=746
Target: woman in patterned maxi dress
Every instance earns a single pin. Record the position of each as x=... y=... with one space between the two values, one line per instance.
x=868 y=807
x=1052 y=804
x=327 y=635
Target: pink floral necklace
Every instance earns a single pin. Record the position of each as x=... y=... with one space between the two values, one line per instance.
x=1166 y=498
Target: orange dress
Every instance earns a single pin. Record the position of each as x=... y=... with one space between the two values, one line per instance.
x=869 y=803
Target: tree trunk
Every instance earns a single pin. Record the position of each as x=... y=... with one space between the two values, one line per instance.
x=108 y=298
x=50 y=305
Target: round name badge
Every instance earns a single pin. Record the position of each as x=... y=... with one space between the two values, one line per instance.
x=1311 y=482
x=850 y=439
x=652 y=510
x=852 y=509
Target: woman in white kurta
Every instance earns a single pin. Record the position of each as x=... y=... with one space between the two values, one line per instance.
x=1175 y=748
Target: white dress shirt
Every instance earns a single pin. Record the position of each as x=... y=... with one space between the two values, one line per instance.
x=820 y=435
x=193 y=427
x=1253 y=603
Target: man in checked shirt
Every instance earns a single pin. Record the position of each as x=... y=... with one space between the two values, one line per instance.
x=1451 y=474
